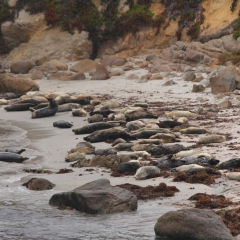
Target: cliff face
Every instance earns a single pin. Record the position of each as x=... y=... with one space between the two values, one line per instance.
x=30 y=37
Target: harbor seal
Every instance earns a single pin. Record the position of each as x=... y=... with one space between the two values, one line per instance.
x=68 y=107
x=19 y=107
x=128 y=167
x=79 y=112
x=105 y=152
x=146 y=172
x=109 y=135
x=76 y=156
x=95 y=118
x=11 y=157
x=178 y=114
x=194 y=130
x=233 y=176
x=148 y=132
x=232 y=163
x=165 y=137
x=92 y=127
x=62 y=124
x=14 y=150
x=123 y=146
x=212 y=138
x=168 y=124
x=48 y=111
x=166 y=149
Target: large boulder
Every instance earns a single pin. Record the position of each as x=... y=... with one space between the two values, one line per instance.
x=83 y=66
x=22 y=66
x=67 y=76
x=97 y=197
x=192 y=224
x=20 y=85
x=101 y=73
x=224 y=80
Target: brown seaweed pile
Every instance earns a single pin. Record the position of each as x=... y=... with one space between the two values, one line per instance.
x=207 y=201
x=150 y=192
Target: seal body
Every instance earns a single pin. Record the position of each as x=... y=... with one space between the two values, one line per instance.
x=79 y=112
x=19 y=107
x=48 y=111
x=212 y=138
x=146 y=172
x=62 y=124
x=14 y=150
x=11 y=157
x=92 y=127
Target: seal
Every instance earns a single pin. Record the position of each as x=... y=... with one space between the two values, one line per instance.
x=82 y=99
x=148 y=132
x=83 y=147
x=165 y=162
x=79 y=112
x=142 y=147
x=192 y=152
x=233 y=176
x=76 y=156
x=48 y=111
x=150 y=141
x=11 y=157
x=108 y=135
x=68 y=107
x=19 y=107
x=123 y=146
x=62 y=124
x=92 y=127
x=132 y=115
x=14 y=150
x=212 y=138
x=95 y=118
x=200 y=160
x=146 y=172
x=128 y=167
x=194 y=130
x=134 y=125
x=105 y=152
x=169 y=124
x=165 y=137
x=195 y=168
x=166 y=149
x=178 y=114
x=232 y=163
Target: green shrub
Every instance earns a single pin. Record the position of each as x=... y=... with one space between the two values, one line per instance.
x=225 y=57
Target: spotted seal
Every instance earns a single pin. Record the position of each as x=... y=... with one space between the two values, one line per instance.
x=146 y=172
x=48 y=111
x=62 y=124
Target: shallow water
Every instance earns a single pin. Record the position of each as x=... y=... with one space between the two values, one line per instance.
x=26 y=214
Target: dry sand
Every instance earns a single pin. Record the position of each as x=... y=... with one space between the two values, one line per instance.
x=51 y=144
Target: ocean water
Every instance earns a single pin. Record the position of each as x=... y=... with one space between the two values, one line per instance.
x=26 y=214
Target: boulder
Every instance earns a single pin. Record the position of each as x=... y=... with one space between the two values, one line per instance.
x=132 y=77
x=156 y=76
x=67 y=76
x=39 y=184
x=97 y=197
x=22 y=66
x=59 y=65
x=198 y=88
x=225 y=80
x=21 y=85
x=83 y=66
x=194 y=224
x=113 y=61
x=101 y=73
x=189 y=76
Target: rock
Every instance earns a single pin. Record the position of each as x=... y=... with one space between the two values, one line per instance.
x=143 y=79
x=156 y=76
x=67 y=76
x=132 y=77
x=189 y=76
x=101 y=73
x=21 y=85
x=115 y=73
x=169 y=83
x=75 y=156
x=146 y=172
x=225 y=104
x=198 y=88
x=97 y=197
x=39 y=184
x=194 y=224
x=59 y=65
x=150 y=57
x=83 y=66
x=113 y=61
x=22 y=66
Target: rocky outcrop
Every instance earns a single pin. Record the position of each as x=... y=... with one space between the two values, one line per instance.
x=97 y=197
x=20 y=85
x=194 y=224
x=22 y=66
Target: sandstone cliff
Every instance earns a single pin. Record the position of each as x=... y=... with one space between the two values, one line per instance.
x=31 y=38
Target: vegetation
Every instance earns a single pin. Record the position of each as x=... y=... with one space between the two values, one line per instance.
x=190 y=14
x=232 y=57
x=233 y=5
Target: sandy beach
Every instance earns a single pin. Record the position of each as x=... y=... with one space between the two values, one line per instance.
x=50 y=145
